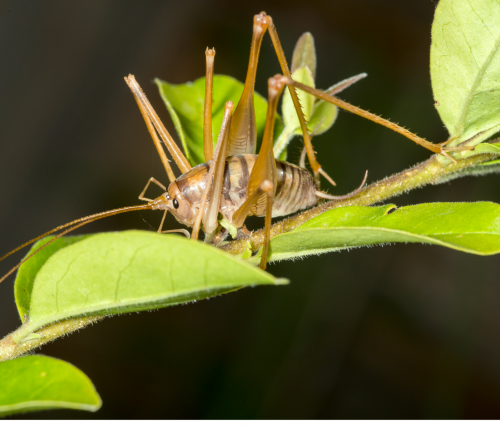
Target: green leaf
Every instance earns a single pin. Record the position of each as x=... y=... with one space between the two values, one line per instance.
x=33 y=383
x=324 y=113
x=128 y=271
x=323 y=117
x=292 y=125
x=487 y=148
x=303 y=70
x=304 y=54
x=185 y=104
x=290 y=119
x=468 y=227
x=319 y=114
x=465 y=66
x=27 y=272
x=496 y=161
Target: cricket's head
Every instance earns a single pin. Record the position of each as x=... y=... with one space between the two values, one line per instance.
x=175 y=203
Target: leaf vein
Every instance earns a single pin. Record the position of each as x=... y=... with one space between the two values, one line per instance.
x=477 y=80
x=125 y=268
x=60 y=280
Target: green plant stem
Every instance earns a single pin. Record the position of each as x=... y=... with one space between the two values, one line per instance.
x=283 y=140
x=435 y=170
x=10 y=350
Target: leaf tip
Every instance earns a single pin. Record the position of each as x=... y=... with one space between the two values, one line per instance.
x=281 y=281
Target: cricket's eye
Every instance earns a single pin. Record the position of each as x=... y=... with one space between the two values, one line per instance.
x=176 y=204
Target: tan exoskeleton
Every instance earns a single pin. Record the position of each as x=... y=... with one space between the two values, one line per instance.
x=234 y=182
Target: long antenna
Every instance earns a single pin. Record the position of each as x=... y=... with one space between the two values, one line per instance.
x=74 y=225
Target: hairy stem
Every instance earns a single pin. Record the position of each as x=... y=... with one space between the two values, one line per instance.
x=435 y=170
x=10 y=350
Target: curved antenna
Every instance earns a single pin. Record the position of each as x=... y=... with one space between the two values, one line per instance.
x=74 y=225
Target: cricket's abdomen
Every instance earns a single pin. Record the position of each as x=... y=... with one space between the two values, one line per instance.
x=295 y=187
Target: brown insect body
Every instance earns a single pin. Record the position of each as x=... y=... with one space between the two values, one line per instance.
x=295 y=189
x=234 y=181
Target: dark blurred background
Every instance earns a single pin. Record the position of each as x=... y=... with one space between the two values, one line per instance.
x=402 y=331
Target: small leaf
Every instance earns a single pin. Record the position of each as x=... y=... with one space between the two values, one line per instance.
x=128 y=271
x=27 y=272
x=290 y=119
x=465 y=66
x=468 y=227
x=303 y=70
x=496 y=161
x=304 y=54
x=185 y=104
x=487 y=148
x=33 y=383
x=323 y=117
x=344 y=84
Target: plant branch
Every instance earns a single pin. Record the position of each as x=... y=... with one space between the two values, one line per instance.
x=435 y=170
x=10 y=350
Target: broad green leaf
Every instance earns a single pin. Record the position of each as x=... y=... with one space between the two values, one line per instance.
x=128 y=271
x=465 y=66
x=290 y=119
x=468 y=227
x=304 y=54
x=27 y=272
x=36 y=382
x=185 y=105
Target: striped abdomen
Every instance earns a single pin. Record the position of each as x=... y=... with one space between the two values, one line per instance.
x=295 y=188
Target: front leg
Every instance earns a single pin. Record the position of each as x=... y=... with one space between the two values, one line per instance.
x=213 y=190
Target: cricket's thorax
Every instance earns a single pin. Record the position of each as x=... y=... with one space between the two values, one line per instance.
x=295 y=187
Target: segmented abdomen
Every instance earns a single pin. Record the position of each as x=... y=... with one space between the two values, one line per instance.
x=295 y=187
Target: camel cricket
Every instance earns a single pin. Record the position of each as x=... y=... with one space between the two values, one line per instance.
x=234 y=182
